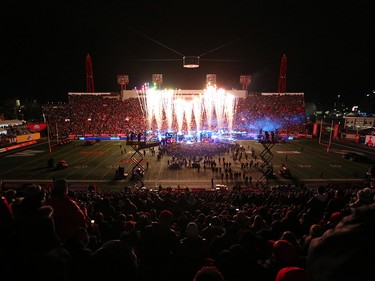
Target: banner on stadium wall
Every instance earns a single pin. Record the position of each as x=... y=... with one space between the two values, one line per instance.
x=29 y=137
x=315 y=129
x=335 y=131
x=36 y=127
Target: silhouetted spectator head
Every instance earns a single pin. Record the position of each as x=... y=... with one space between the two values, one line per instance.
x=335 y=218
x=166 y=217
x=316 y=231
x=291 y=273
x=285 y=252
x=216 y=221
x=130 y=225
x=130 y=237
x=60 y=187
x=192 y=230
x=208 y=273
x=34 y=195
x=339 y=194
x=99 y=217
x=365 y=195
x=321 y=189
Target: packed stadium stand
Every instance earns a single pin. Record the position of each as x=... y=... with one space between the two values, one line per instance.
x=98 y=115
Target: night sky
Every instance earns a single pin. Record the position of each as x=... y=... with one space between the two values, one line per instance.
x=329 y=46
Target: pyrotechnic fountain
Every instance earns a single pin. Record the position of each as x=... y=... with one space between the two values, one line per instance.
x=168 y=106
x=213 y=109
x=209 y=100
x=179 y=112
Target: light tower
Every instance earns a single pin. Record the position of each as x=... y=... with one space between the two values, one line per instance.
x=89 y=76
x=123 y=80
x=157 y=79
x=245 y=81
x=281 y=88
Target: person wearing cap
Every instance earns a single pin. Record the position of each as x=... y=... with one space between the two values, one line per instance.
x=68 y=215
x=284 y=254
x=292 y=273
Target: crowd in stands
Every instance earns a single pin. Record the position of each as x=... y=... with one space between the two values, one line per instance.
x=282 y=233
x=95 y=114
x=92 y=114
x=286 y=112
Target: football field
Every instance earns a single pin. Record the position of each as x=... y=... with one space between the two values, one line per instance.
x=308 y=161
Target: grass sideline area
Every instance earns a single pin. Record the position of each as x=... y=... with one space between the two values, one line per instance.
x=310 y=163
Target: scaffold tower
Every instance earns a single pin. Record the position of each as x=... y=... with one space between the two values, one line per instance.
x=138 y=170
x=266 y=167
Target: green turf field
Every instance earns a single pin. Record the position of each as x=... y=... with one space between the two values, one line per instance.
x=309 y=162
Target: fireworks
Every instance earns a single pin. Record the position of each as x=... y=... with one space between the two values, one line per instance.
x=213 y=109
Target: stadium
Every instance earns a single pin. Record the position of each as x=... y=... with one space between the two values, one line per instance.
x=211 y=115
x=120 y=139
x=210 y=181
x=90 y=189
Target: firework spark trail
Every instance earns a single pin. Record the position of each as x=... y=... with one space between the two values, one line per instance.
x=197 y=109
x=179 y=111
x=188 y=114
x=219 y=103
x=230 y=106
x=208 y=105
x=168 y=97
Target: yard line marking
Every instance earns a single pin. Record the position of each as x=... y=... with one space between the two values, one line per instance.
x=26 y=153
x=288 y=152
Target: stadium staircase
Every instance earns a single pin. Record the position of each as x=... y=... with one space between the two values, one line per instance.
x=137 y=173
x=266 y=167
